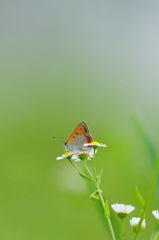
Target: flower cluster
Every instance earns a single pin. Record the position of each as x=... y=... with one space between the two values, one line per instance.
x=89 y=150
x=123 y=210
x=134 y=222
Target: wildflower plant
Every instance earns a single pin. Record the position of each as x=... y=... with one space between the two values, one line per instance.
x=134 y=222
x=91 y=174
x=79 y=161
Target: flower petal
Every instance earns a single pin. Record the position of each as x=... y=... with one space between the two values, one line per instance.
x=156 y=214
x=94 y=144
x=134 y=222
x=122 y=209
x=64 y=155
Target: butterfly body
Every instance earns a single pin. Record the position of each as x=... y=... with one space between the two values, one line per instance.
x=78 y=138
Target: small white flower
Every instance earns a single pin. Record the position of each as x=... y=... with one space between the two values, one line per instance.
x=156 y=214
x=65 y=155
x=134 y=222
x=83 y=155
x=94 y=144
x=121 y=209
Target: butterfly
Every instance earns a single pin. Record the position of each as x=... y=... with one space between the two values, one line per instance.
x=78 y=138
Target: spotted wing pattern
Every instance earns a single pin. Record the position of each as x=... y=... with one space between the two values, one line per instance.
x=78 y=137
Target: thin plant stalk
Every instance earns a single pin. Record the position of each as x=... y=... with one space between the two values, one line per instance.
x=107 y=217
x=94 y=180
x=88 y=170
x=94 y=163
x=79 y=172
x=101 y=198
x=122 y=233
x=156 y=237
x=149 y=195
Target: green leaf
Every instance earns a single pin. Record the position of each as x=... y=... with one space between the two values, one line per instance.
x=148 y=142
x=116 y=222
x=140 y=197
x=94 y=195
x=107 y=209
x=150 y=147
x=85 y=177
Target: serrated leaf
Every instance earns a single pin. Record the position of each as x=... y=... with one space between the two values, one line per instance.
x=140 y=197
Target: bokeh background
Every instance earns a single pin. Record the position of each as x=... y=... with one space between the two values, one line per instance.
x=62 y=62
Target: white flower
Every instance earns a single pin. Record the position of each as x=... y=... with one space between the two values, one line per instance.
x=121 y=209
x=134 y=222
x=65 y=155
x=77 y=155
x=83 y=155
x=156 y=214
x=94 y=144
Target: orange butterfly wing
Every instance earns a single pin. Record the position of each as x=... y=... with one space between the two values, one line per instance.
x=81 y=128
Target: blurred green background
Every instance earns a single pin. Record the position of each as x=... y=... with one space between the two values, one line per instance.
x=63 y=62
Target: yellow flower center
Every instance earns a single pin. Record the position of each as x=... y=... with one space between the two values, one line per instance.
x=95 y=143
x=68 y=153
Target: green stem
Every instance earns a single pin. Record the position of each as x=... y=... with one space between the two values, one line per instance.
x=94 y=164
x=94 y=180
x=122 y=233
x=103 y=205
x=102 y=200
x=149 y=195
x=88 y=170
x=74 y=166
x=156 y=236
x=78 y=170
